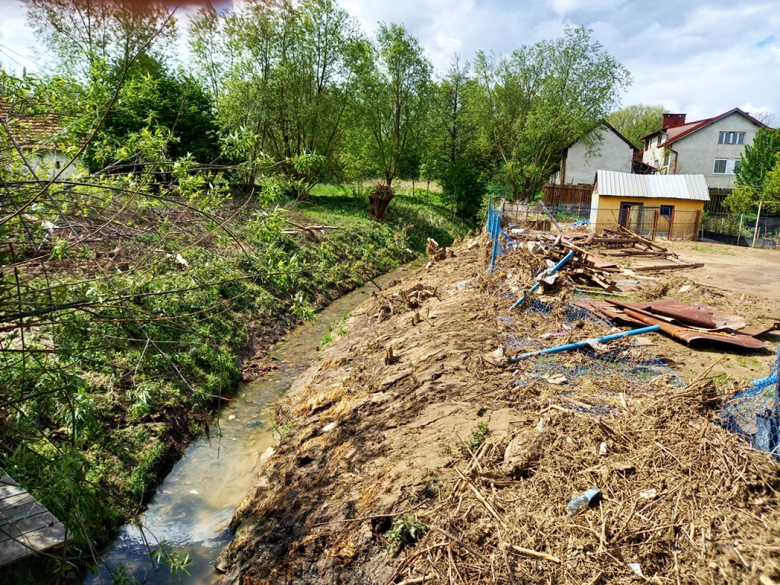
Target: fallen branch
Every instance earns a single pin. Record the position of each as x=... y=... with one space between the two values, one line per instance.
x=532 y=553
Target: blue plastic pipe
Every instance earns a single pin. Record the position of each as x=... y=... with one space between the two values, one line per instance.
x=585 y=343
x=768 y=380
x=552 y=270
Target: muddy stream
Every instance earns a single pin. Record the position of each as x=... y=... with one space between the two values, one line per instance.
x=192 y=508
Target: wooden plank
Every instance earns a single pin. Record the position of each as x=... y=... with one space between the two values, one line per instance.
x=41 y=521
x=7 y=479
x=7 y=491
x=26 y=526
x=665 y=267
x=21 y=508
x=14 y=500
x=31 y=543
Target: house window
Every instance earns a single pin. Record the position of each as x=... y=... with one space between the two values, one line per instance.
x=727 y=166
x=666 y=211
x=666 y=158
x=658 y=141
x=731 y=138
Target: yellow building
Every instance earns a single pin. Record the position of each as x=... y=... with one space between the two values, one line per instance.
x=667 y=206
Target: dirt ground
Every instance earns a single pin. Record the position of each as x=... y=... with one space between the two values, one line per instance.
x=739 y=270
x=415 y=452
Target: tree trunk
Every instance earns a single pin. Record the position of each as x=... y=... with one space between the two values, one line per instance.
x=379 y=199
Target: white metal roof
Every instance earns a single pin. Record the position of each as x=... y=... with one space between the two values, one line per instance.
x=612 y=183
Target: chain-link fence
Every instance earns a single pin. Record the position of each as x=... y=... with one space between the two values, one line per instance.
x=625 y=365
x=740 y=230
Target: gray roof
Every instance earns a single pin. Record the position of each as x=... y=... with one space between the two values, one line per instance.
x=615 y=184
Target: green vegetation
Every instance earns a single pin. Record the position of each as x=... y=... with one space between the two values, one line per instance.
x=406 y=530
x=477 y=438
x=636 y=121
x=758 y=176
x=709 y=249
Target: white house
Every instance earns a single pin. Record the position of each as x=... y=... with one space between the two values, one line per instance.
x=38 y=137
x=710 y=147
x=602 y=148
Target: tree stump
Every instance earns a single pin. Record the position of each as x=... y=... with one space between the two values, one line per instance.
x=379 y=199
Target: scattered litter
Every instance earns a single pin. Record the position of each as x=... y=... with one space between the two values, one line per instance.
x=194 y=492
x=636 y=569
x=557 y=380
x=648 y=494
x=603 y=449
x=684 y=289
x=329 y=427
x=583 y=501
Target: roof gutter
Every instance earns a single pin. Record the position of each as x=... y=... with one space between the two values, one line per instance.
x=676 y=156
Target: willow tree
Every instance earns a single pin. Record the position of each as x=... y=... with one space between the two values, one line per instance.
x=85 y=34
x=283 y=95
x=394 y=91
x=540 y=98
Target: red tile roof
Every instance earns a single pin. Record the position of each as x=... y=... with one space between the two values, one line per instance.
x=31 y=130
x=675 y=133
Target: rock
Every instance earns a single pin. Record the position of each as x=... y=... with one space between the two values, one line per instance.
x=497 y=357
x=524 y=450
x=221 y=565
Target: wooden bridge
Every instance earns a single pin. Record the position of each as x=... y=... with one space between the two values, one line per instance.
x=26 y=527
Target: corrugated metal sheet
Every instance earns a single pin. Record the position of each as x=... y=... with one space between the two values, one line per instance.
x=612 y=183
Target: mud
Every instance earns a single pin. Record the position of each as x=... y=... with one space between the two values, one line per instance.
x=395 y=464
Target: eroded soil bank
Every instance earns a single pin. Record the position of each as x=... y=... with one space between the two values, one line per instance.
x=417 y=453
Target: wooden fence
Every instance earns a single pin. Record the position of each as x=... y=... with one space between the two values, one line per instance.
x=567 y=194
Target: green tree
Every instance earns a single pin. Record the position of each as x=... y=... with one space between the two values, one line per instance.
x=85 y=33
x=464 y=188
x=758 y=164
x=393 y=87
x=540 y=98
x=636 y=121
x=286 y=89
x=453 y=128
x=758 y=158
x=151 y=95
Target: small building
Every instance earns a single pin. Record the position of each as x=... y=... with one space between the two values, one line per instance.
x=712 y=147
x=601 y=148
x=38 y=136
x=668 y=206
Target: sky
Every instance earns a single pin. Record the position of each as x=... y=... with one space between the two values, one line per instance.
x=701 y=58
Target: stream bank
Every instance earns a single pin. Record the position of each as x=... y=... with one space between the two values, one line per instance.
x=192 y=508
x=416 y=453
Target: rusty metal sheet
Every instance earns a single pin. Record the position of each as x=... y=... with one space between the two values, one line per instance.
x=688 y=335
x=629 y=316
x=696 y=315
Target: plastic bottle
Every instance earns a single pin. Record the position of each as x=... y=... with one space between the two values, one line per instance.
x=583 y=501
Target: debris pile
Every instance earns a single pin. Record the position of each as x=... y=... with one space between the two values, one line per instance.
x=424 y=454
x=674 y=498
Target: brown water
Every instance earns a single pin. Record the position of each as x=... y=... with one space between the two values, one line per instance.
x=193 y=507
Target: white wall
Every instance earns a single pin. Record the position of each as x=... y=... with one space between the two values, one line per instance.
x=611 y=153
x=696 y=152
x=699 y=150
x=45 y=165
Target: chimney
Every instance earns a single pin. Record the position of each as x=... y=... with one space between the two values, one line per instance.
x=673 y=120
